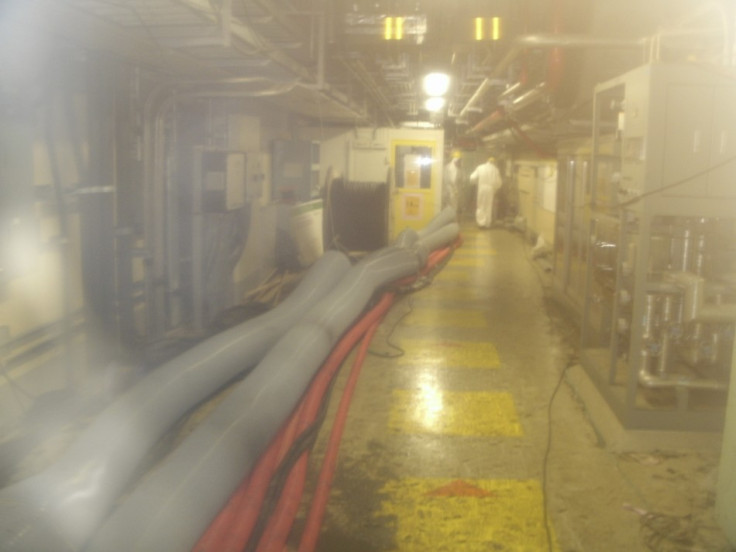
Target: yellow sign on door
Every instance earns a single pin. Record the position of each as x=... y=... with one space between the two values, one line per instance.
x=416 y=176
x=413 y=207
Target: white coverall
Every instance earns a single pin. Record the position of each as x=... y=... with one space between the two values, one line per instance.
x=450 y=190
x=489 y=181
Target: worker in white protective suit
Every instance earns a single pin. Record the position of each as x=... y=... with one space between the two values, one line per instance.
x=489 y=181
x=452 y=182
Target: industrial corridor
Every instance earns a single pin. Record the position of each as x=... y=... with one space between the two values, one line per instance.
x=368 y=276
x=447 y=434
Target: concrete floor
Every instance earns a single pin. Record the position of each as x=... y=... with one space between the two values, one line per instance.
x=445 y=444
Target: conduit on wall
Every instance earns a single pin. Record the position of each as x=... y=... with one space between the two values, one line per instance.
x=67 y=502
x=175 y=504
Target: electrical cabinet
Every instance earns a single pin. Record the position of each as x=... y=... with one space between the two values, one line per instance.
x=660 y=287
x=220 y=179
x=572 y=220
x=295 y=171
x=675 y=130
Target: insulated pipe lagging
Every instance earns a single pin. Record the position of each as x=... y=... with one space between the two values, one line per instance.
x=406 y=238
x=175 y=504
x=445 y=217
x=61 y=507
x=443 y=236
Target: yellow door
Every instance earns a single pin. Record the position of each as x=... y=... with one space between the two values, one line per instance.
x=416 y=175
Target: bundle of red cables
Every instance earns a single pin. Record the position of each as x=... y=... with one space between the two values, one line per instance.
x=241 y=524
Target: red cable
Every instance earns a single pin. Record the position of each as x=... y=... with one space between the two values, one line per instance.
x=233 y=525
x=322 y=491
x=232 y=528
x=277 y=532
x=241 y=512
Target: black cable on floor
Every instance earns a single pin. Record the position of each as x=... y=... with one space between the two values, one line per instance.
x=545 y=461
x=388 y=340
x=421 y=283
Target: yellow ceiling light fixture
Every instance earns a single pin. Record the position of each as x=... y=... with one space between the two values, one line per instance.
x=436 y=84
x=492 y=24
x=434 y=104
x=393 y=28
x=496 y=28
x=388 y=28
x=479 y=24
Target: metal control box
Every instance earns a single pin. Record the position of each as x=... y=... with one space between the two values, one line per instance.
x=675 y=128
x=659 y=307
x=220 y=179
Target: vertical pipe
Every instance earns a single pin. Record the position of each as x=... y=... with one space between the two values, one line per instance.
x=647 y=330
x=64 y=253
x=665 y=343
x=173 y=202
x=700 y=254
x=686 y=250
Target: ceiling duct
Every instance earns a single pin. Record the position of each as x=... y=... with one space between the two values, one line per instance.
x=539 y=41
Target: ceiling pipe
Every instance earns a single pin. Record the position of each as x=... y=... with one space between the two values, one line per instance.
x=711 y=8
x=259 y=45
x=526 y=42
x=510 y=91
x=536 y=94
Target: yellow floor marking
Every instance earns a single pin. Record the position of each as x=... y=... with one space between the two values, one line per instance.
x=455 y=293
x=456 y=318
x=476 y=251
x=442 y=515
x=453 y=275
x=462 y=354
x=459 y=261
x=431 y=410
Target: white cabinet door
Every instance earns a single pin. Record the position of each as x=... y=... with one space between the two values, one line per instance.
x=722 y=179
x=687 y=140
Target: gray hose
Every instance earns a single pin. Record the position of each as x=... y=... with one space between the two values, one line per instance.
x=406 y=238
x=440 y=237
x=59 y=508
x=175 y=504
x=445 y=217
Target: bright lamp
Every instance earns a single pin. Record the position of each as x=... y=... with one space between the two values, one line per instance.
x=434 y=104
x=436 y=84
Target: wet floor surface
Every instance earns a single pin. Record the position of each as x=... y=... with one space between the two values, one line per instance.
x=446 y=437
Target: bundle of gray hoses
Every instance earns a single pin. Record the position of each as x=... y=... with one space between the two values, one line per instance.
x=72 y=504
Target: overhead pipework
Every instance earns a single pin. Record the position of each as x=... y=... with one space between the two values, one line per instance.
x=704 y=34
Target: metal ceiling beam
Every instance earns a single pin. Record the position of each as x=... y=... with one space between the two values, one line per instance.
x=251 y=38
x=84 y=29
x=279 y=16
x=268 y=49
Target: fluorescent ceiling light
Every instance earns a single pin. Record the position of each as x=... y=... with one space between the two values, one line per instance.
x=434 y=104
x=495 y=28
x=418 y=124
x=436 y=84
